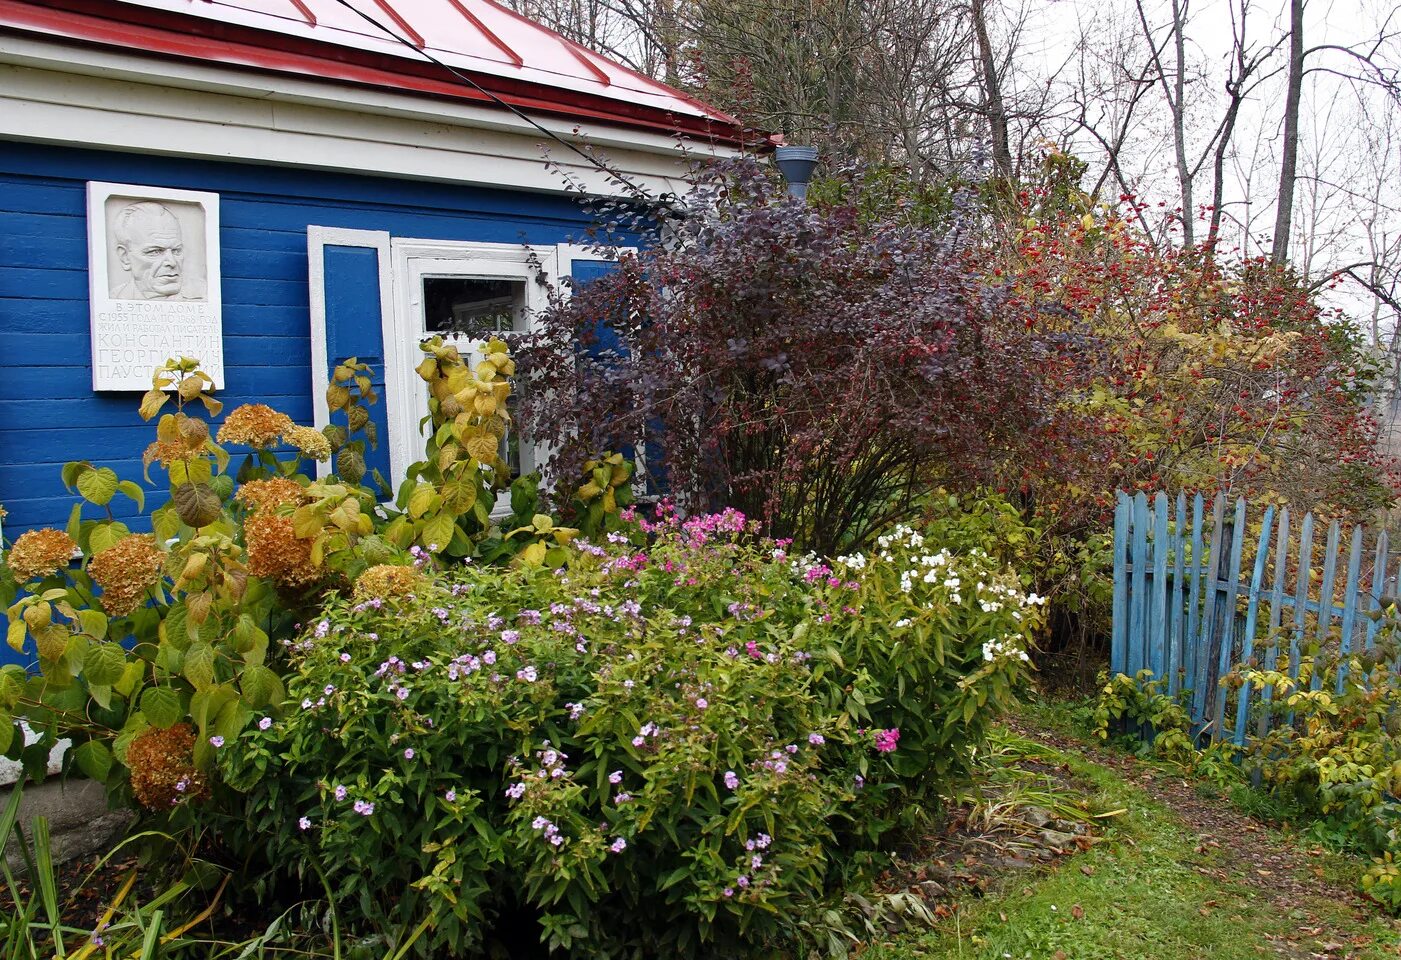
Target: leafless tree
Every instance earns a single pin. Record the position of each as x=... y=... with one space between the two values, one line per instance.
x=1362 y=64
x=1249 y=66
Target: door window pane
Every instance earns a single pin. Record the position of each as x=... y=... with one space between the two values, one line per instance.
x=470 y=307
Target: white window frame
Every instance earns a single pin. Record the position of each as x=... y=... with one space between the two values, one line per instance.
x=406 y=395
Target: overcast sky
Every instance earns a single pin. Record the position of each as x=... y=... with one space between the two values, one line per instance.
x=1350 y=163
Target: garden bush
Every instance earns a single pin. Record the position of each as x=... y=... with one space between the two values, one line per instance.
x=821 y=366
x=152 y=644
x=668 y=748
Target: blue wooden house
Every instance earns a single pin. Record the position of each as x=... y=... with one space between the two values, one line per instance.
x=271 y=185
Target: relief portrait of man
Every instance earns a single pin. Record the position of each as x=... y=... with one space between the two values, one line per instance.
x=150 y=246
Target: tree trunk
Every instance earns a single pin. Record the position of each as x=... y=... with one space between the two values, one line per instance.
x=995 y=109
x=1289 y=163
x=1179 y=122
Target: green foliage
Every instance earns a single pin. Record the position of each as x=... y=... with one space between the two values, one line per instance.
x=672 y=750
x=606 y=491
x=1332 y=756
x=1335 y=753
x=1138 y=704
x=182 y=630
x=446 y=499
x=1382 y=882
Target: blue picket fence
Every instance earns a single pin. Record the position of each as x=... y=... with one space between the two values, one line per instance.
x=1200 y=587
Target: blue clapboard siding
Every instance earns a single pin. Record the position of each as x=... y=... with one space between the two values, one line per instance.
x=1286 y=604
x=48 y=411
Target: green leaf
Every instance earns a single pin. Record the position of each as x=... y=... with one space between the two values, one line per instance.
x=199 y=664
x=93 y=622
x=175 y=628
x=12 y=678
x=261 y=686
x=162 y=708
x=306 y=522
x=72 y=470
x=14 y=636
x=131 y=678
x=101 y=695
x=437 y=532
x=223 y=485
x=247 y=634
x=7 y=731
x=131 y=489
x=232 y=719
x=75 y=522
x=206 y=704
x=199 y=471
x=165 y=524
x=423 y=499
x=94 y=758
x=104 y=664
x=98 y=485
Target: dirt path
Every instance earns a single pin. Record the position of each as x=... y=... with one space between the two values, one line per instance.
x=1277 y=869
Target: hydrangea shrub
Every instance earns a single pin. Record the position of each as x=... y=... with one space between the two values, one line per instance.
x=663 y=750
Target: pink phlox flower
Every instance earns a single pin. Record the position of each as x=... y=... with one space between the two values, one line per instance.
x=886 y=740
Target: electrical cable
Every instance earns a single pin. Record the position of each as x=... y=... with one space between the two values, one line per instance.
x=640 y=193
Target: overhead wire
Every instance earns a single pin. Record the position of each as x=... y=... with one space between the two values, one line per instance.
x=639 y=192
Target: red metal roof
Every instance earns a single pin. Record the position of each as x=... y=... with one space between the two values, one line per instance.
x=520 y=61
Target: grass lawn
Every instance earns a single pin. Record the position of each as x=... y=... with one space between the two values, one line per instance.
x=1160 y=886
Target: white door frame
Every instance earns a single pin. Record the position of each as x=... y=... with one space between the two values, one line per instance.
x=406 y=395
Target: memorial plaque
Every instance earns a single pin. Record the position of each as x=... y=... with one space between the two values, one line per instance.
x=153 y=266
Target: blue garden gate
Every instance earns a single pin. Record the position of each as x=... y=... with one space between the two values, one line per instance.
x=1196 y=592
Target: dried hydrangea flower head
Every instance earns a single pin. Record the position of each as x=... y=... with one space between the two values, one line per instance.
x=255 y=425
x=162 y=767
x=268 y=495
x=310 y=442
x=126 y=571
x=276 y=553
x=164 y=452
x=385 y=581
x=38 y=553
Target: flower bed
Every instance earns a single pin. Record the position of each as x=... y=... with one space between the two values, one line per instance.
x=665 y=749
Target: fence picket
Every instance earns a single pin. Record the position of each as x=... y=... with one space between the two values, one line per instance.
x=1301 y=596
x=1324 y=624
x=1354 y=571
x=1118 y=643
x=1189 y=660
x=1262 y=554
x=1211 y=567
x=1157 y=633
x=1138 y=620
x=1276 y=611
x=1378 y=589
x=1225 y=623
x=1178 y=593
